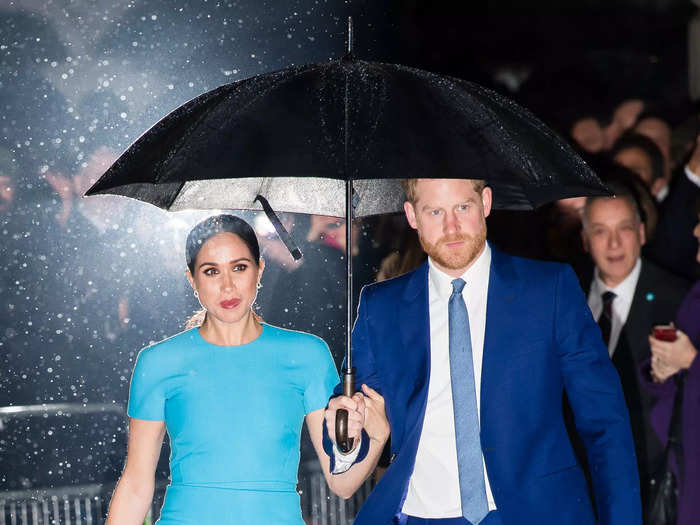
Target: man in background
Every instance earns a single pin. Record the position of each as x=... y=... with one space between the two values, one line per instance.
x=628 y=295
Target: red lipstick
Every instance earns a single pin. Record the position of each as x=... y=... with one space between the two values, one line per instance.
x=231 y=303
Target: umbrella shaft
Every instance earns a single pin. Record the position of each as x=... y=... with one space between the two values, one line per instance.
x=348 y=262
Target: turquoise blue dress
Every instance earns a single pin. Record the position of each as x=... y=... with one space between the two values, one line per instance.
x=234 y=416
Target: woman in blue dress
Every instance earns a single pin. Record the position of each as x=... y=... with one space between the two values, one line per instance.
x=232 y=395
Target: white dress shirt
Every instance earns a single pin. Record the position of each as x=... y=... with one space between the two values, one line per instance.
x=692 y=177
x=624 y=293
x=433 y=489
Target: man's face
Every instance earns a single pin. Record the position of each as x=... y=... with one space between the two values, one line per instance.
x=624 y=117
x=637 y=160
x=614 y=236
x=588 y=134
x=658 y=131
x=449 y=216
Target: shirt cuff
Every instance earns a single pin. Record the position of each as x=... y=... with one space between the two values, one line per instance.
x=343 y=462
x=692 y=177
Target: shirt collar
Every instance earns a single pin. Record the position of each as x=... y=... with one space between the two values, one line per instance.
x=624 y=290
x=441 y=283
x=692 y=177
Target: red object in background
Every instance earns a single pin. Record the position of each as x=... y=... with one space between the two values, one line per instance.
x=665 y=332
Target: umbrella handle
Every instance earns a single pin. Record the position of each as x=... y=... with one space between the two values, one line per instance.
x=341 y=417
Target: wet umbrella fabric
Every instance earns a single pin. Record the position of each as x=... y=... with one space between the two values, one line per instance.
x=295 y=136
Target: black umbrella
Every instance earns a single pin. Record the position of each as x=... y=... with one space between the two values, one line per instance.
x=335 y=139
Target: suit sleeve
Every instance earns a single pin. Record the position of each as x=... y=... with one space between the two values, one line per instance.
x=594 y=391
x=363 y=362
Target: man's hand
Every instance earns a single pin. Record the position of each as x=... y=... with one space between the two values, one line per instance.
x=356 y=408
x=667 y=358
x=376 y=423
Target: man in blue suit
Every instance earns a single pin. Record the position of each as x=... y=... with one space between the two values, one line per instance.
x=471 y=353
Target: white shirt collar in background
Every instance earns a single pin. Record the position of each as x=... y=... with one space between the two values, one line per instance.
x=624 y=293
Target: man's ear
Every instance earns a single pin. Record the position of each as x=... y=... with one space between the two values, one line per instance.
x=642 y=233
x=487 y=200
x=410 y=212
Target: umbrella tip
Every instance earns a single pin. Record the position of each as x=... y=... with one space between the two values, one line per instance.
x=348 y=54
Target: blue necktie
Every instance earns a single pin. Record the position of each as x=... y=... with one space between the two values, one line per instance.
x=469 y=457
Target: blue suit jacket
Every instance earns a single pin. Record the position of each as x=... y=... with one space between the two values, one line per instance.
x=540 y=340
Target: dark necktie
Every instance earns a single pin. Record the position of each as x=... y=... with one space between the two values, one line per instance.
x=605 y=319
x=472 y=486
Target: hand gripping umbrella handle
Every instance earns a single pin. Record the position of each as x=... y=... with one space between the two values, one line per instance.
x=341 y=418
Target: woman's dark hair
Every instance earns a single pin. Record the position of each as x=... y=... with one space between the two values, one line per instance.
x=635 y=140
x=215 y=225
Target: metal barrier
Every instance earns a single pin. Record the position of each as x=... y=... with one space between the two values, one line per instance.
x=87 y=503
x=83 y=504
x=319 y=506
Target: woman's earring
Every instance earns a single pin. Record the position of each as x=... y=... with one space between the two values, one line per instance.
x=258 y=285
x=196 y=294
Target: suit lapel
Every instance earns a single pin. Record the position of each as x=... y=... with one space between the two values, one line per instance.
x=639 y=319
x=414 y=327
x=501 y=311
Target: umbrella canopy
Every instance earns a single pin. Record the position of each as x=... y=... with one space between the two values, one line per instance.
x=295 y=135
x=298 y=139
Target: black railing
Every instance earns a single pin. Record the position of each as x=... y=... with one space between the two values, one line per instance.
x=87 y=503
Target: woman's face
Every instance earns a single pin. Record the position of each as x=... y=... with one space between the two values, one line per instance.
x=225 y=275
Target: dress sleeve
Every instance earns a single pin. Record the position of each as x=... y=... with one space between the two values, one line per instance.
x=147 y=391
x=322 y=377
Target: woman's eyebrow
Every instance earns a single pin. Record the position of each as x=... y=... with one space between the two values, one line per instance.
x=232 y=261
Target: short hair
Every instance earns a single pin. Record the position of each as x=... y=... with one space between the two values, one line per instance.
x=409 y=188
x=621 y=189
x=214 y=225
x=633 y=140
x=651 y=114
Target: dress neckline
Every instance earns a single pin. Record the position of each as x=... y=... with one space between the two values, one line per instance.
x=245 y=345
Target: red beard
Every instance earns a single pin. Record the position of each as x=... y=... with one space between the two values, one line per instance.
x=455 y=259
